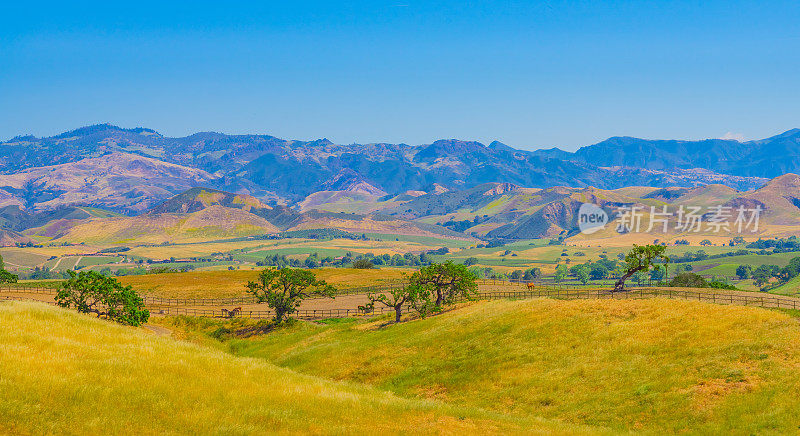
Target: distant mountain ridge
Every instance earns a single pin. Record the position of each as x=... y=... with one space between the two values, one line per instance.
x=279 y=171
x=770 y=157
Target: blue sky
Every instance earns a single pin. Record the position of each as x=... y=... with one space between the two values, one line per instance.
x=530 y=74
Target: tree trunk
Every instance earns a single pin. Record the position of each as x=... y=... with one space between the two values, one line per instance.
x=620 y=285
x=398 y=310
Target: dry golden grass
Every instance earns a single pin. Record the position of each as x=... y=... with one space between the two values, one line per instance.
x=65 y=373
x=222 y=284
x=660 y=366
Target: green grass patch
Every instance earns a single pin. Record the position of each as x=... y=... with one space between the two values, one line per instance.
x=660 y=366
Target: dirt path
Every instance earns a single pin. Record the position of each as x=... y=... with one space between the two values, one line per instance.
x=158 y=330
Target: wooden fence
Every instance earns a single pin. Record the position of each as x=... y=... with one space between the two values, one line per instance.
x=710 y=296
x=756 y=300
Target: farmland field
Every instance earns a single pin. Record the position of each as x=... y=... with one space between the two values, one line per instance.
x=223 y=284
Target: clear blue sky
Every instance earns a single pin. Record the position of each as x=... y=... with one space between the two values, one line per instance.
x=530 y=74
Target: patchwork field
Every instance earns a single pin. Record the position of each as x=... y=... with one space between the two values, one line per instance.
x=223 y=284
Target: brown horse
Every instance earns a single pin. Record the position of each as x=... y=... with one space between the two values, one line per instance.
x=231 y=313
x=530 y=286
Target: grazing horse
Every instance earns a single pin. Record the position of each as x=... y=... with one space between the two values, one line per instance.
x=231 y=313
x=530 y=286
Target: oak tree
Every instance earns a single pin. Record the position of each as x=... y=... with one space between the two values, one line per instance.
x=641 y=258
x=92 y=292
x=284 y=289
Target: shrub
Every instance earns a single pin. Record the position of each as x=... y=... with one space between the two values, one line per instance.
x=363 y=264
x=688 y=280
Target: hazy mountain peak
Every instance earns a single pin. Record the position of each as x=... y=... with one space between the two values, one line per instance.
x=91 y=130
x=785 y=182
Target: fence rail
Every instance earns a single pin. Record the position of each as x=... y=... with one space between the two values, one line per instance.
x=572 y=294
x=543 y=291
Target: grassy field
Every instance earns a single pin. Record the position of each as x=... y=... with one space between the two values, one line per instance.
x=659 y=366
x=65 y=373
x=224 y=283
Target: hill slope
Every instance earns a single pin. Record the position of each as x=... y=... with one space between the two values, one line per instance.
x=65 y=373
x=118 y=181
x=213 y=222
x=662 y=366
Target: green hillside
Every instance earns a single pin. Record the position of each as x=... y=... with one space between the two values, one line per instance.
x=660 y=366
x=64 y=373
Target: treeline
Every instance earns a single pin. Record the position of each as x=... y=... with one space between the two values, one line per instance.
x=692 y=256
x=489 y=273
x=763 y=274
x=365 y=261
x=787 y=245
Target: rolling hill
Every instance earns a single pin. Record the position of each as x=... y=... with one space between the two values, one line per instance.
x=653 y=366
x=206 y=214
x=212 y=222
x=65 y=373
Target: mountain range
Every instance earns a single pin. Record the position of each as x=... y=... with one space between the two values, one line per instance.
x=105 y=183
x=130 y=170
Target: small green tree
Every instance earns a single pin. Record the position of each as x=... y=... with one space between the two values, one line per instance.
x=561 y=273
x=599 y=272
x=470 y=261
x=583 y=273
x=363 y=264
x=92 y=292
x=744 y=271
x=444 y=281
x=641 y=258
x=533 y=273
x=762 y=275
x=284 y=289
x=7 y=277
x=397 y=298
x=688 y=280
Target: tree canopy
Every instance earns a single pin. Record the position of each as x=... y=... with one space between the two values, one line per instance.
x=92 y=292
x=641 y=258
x=445 y=281
x=284 y=289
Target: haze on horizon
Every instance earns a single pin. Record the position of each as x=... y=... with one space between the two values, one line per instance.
x=531 y=75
